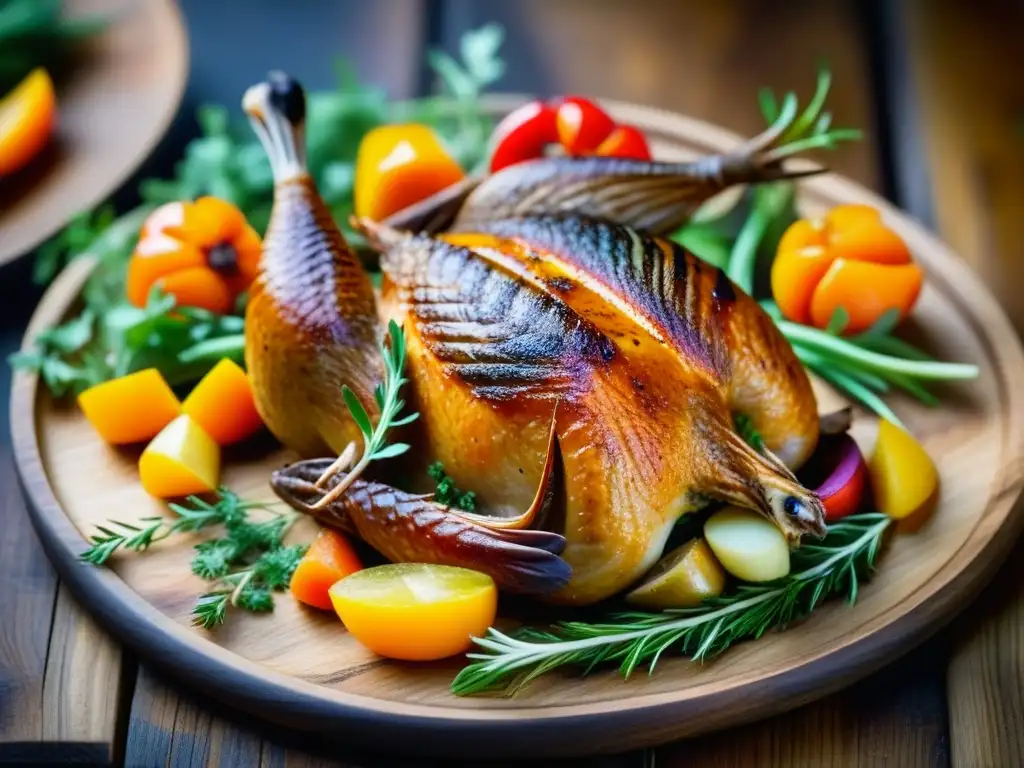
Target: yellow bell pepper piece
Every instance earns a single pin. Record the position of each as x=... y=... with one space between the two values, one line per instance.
x=399 y=165
x=903 y=476
x=181 y=460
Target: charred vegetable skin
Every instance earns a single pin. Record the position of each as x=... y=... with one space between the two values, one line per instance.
x=529 y=332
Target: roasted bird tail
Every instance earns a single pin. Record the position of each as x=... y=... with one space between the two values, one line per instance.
x=406 y=527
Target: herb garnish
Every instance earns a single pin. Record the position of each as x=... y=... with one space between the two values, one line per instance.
x=447 y=492
x=387 y=394
x=247 y=563
x=834 y=565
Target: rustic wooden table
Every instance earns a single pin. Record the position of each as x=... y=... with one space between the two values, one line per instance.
x=935 y=84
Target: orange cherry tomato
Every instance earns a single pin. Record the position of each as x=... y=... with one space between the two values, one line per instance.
x=523 y=134
x=204 y=253
x=625 y=141
x=27 y=116
x=866 y=291
x=850 y=260
x=581 y=124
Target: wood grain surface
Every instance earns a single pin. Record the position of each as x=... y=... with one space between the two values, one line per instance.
x=896 y=717
x=971 y=113
x=333 y=684
x=113 y=108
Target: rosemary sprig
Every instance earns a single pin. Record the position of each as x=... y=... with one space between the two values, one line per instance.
x=835 y=565
x=389 y=403
x=193 y=516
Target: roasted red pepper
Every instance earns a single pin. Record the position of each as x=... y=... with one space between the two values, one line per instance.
x=578 y=124
x=523 y=135
x=625 y=141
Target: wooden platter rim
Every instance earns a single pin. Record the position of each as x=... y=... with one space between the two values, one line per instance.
x=178 y=40
x=444 y=730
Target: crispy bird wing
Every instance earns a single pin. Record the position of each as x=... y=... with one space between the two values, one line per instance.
x=681 y=301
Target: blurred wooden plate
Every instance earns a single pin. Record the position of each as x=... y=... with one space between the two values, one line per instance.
x=114 y=105
x=300 y=668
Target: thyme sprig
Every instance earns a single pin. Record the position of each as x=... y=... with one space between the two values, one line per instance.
x=836 y=565
x=247 y=563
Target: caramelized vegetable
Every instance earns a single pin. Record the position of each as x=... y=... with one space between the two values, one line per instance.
x=416 y=612
x=522 y=135
x=27 y=116
x=624 y=141
x=683 y=578
x=399 y=165
x=222 y=404
x=903 y=476
x=180 y=461
x=848 y=260
x=581 y=125
x=202 y=253
x=748 y=546
x=130 y=409
x=329 y=559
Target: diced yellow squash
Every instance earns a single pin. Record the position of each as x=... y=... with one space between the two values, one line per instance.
x=130 y=409
x=903 y=476
x=181 y=460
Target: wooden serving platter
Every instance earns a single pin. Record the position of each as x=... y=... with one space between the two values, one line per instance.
x=112 y=109
x=301 y=669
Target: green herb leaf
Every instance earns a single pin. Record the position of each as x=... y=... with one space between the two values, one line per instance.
x=835 y=566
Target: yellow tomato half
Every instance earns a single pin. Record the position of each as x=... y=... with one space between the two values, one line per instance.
x=414 y=611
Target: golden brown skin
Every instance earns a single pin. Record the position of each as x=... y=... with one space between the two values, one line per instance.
x=636 y=352
x=311 y=322
x=501 y=328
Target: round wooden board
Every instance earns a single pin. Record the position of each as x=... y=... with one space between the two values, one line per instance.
x=301 y=669
x=113 y=107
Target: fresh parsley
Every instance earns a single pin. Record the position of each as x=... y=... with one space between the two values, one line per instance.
x=447 y=492
x=246 y=564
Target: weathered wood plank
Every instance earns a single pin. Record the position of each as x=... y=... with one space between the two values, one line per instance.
x=966 y=61
x=895 y=718
x=704 y=59
x=26 y=611
x=172 y=728
x=167 y=729
x=82 y=687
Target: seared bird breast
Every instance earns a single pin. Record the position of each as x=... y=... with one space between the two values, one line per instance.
x=561 y=363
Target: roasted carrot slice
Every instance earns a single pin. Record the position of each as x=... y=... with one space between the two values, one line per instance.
x=329 y=559
x=222 y=404
x=132 y=408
